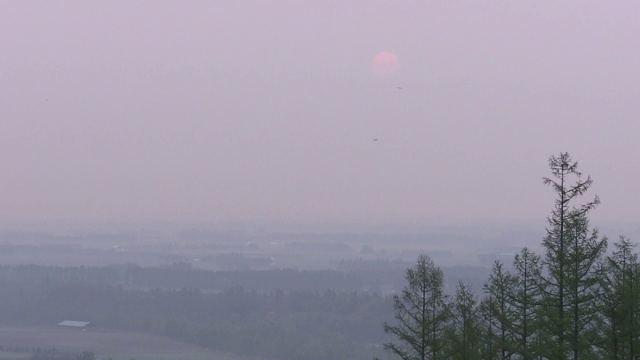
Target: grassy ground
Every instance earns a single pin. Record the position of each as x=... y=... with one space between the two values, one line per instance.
x=105 y=344
x=8 y=355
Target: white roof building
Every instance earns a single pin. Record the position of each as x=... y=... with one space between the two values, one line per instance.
x=75 y=324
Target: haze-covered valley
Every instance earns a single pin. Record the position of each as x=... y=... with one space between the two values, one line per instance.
x=285 y=179
x=269 y=246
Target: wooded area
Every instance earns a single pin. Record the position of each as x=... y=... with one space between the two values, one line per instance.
x=573 y=302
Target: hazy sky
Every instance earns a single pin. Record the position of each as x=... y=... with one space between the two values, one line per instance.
x=244 y=110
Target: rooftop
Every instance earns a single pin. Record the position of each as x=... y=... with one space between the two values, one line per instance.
x=74 y=323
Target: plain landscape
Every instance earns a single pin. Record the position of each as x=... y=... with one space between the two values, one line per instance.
x=75 y=264
x=319 y=180
x=183 y=292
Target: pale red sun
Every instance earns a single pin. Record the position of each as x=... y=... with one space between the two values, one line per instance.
x=385 y=64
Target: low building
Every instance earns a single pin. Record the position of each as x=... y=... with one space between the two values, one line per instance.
x=76 y=325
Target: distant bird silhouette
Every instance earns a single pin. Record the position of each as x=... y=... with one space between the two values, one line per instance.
x=375 y=139
x=399 y=87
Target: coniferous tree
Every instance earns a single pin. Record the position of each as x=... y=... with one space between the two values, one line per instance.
x=570 y=279
x=421 y=314
x=586 y=251
x=464 y=333
x=525 y=301
x=573 y=303
x=620 y=303
x=489 y=336
x=498 y=290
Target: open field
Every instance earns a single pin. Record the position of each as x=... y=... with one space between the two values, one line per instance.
x=10 y=355
x=106 y=344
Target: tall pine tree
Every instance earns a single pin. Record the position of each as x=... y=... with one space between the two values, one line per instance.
x=421 y=314
x=570 y=279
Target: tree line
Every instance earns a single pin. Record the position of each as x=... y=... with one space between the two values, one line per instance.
x=574 y=301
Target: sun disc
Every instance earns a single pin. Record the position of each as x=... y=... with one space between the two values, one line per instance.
x=385 y=64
